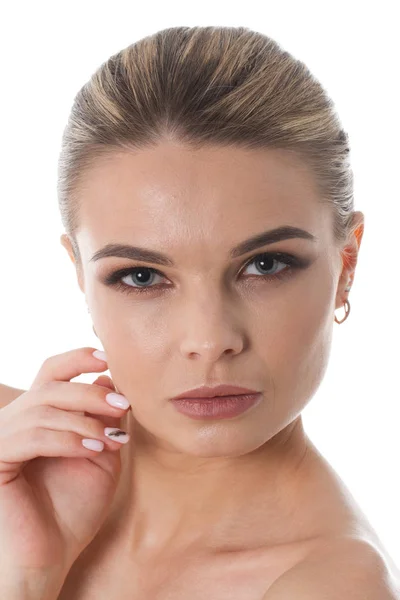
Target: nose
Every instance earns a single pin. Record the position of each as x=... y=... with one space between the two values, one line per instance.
x=210 y=327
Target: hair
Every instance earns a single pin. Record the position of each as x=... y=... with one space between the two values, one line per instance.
x=206 y=86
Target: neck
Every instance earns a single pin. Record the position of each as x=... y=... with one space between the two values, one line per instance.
x=170 y=502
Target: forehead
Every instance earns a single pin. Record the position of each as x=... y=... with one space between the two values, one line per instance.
x=172 y=194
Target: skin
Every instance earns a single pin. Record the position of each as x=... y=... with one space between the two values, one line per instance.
x=211 y=323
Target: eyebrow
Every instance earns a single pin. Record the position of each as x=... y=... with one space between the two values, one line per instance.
x=146 y=255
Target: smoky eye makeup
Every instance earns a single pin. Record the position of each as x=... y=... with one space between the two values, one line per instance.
x=150 y=280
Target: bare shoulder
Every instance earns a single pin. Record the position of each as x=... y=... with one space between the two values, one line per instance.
x=8 y=394
x=353 y=569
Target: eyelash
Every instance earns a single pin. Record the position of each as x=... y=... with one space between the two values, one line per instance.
x=293 y=262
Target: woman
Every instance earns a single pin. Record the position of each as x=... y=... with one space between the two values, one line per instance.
x=211 y=161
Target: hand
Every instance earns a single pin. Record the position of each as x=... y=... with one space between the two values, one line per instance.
x=55 y=493
x=8 y=394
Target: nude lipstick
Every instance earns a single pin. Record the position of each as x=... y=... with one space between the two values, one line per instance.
x=220 y=402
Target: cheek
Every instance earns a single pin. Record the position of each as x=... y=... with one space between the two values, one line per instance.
x=134 y=327
x=299 y=349
x=136 y=345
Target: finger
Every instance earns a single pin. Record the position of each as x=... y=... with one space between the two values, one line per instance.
x=67 y=365
x=105 y=381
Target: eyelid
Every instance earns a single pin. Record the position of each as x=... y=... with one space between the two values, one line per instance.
x=289 y=258
x=293 y=262
x=123 y=271
x=273 y=253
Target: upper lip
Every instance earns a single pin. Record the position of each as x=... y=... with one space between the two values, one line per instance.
x=211 y=392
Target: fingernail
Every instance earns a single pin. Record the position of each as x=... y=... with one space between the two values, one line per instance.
x=117 y=400
x=93 y=444
x=117 y=434
x=100 y=354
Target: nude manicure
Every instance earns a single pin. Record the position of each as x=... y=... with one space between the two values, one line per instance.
x=117 y=400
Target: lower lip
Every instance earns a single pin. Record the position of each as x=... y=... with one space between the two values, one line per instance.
x=222 y=407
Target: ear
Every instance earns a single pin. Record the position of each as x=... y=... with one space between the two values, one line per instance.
x=66 y=242
x=349 y=255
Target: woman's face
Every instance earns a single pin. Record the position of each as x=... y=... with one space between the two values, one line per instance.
x=207 y=317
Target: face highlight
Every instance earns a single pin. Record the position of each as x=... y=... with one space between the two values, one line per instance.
x=198 y=315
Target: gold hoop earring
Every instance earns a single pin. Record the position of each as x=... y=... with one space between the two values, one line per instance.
x=347 y=312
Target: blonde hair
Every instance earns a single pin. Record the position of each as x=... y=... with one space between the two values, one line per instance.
x=206 y=86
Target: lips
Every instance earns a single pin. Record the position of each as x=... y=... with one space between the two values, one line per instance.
x=216 y=391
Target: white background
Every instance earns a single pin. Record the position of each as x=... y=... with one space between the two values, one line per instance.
x=49 y=50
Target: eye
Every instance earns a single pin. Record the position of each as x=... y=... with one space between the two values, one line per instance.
x=266 y=262
x=138 y=279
